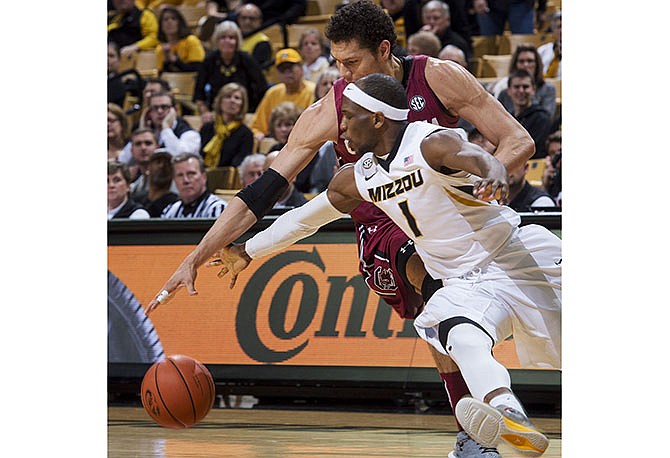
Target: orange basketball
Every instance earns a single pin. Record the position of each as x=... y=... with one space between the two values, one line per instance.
x=177 y=392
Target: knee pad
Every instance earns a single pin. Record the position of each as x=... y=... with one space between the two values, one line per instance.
x=471 y=347
x=464 y=341
x=445 y=327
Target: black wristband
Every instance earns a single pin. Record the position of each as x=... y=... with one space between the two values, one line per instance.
x=261 y=195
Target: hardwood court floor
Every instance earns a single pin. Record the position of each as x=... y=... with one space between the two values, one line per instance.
x=261 y=433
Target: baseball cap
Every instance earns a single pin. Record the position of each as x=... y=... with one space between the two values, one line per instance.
x=287 y=55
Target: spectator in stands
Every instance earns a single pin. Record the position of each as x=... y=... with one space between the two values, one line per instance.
x=154 y=84
x=222 y=9
x=312 y=47
x=291 y=197
x=521 y=88
x=143 y=146
x=119 y=203
x=476 y=137
x=282 y=11
x=251 y=168
x=526 y=57
x=216 y=12
x=492 y=15
x=423 y=42
x=436 y=18
x=227 y=140
x=178 y=49
x=406 y=17
x=523 y=197
x=227 y=64
x=325 y=82
x=254 y=42
x=554 y=144
x=195 y=200
x=132 y=29
x=117 y=131
x=161 y=189
x=151 y=85
x=282 y=120
x=551 y=178
x=120 y=84
x=551 y=53
x=454 y=54
x=172 y=132
x=292 y=88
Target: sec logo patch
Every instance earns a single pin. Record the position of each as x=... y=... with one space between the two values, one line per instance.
x=417 y=103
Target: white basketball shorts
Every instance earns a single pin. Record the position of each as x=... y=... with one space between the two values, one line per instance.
x=518 y=293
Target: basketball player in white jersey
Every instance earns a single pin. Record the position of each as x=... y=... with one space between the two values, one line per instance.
x=498 y=279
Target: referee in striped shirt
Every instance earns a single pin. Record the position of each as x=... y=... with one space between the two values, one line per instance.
x=195 y=200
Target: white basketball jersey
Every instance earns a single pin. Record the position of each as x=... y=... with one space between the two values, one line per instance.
x=453 y=231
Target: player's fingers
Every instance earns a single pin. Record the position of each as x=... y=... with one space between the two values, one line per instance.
x=151 y=307
x=494 y=191
x=214 y=262
x=190 y=287
x=162 y=297
x=233 y=279
x=222 y=272
x=481 y=190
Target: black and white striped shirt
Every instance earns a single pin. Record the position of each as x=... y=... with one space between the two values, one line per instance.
x=206 y=206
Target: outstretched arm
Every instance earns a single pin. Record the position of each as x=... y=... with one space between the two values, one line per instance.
x=316 y=125
x=294 y=225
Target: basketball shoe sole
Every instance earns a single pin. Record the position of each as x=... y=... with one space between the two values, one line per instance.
x=488 y=425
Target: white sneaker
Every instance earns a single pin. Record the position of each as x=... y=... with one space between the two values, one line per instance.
x=487 y=425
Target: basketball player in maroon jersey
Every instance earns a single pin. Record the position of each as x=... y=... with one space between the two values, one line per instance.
x=362 y=37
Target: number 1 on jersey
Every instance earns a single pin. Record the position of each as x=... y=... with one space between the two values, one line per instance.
x=411 y=220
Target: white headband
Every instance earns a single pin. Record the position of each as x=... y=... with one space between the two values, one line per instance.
x=356 y=95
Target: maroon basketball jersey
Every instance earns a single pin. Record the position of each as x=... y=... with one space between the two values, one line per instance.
x=378 y=237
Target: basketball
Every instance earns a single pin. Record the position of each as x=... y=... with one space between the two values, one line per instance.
x=177 y=392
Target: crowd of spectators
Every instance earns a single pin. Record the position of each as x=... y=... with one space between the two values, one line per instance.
x=248 y=95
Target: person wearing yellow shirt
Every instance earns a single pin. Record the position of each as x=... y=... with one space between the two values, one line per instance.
x=131 y=28
x=293 y=87
x=179 y=50
x=250 y=18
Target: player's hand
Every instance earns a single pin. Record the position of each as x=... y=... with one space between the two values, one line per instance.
x=233 y=259
x=489 y=189
x=184 y=277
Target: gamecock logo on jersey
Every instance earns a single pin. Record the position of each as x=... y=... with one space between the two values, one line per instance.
x=417 y=103
x=384 y=279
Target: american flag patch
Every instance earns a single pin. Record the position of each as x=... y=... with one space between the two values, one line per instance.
x=408 y=160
